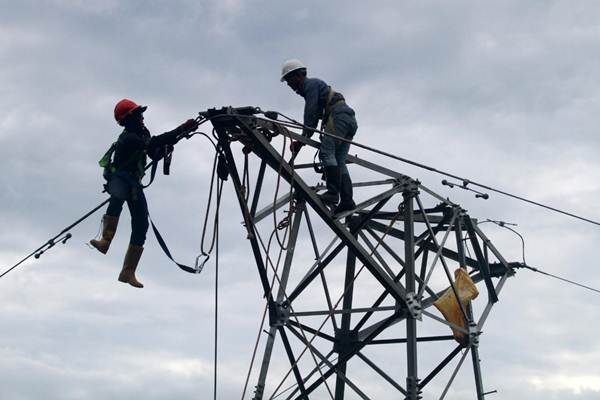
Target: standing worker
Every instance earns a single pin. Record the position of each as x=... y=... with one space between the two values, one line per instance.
x=322 y=102
x=124 y=175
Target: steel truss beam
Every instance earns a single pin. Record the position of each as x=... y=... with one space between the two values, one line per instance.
x=366 y=311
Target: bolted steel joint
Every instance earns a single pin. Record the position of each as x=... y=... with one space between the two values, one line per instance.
x=279 y=314
x=473 y=335
x=414 y=306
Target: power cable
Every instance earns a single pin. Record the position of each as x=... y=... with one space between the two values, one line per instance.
x=67 y=235
x=432 y=169
x=216 y=328
x=503 y=224
x=560 y=278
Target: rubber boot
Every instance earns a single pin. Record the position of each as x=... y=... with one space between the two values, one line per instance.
x=332 y=182
x=346 y=192
x=132 y=257
x=109 y=227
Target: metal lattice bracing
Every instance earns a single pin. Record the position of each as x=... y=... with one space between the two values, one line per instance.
x=350 y=305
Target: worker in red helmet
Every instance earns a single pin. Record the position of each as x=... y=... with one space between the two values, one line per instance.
x=124 y=181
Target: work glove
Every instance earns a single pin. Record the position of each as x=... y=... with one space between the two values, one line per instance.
x=188 y=126
x=295 y=147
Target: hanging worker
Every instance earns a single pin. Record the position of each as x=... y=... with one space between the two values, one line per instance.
x=337 y=118
x=124 y=175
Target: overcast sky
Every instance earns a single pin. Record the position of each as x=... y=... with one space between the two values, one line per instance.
x=504 y=93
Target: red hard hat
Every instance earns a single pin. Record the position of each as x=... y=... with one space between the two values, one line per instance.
x=124 y=108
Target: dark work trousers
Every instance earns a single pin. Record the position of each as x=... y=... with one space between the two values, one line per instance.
x=123 y=187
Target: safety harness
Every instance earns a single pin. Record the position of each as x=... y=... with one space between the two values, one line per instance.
x=107 y=163
x=327 y=123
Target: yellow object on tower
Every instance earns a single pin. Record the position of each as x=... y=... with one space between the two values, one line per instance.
x=450 y=308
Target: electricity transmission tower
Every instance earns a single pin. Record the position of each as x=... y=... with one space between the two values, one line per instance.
x=350 y=306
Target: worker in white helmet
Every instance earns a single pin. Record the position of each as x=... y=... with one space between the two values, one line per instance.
x=322 y=102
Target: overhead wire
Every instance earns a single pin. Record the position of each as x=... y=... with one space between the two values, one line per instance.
x=503 y=224
x=67 y=235
x=435 y=170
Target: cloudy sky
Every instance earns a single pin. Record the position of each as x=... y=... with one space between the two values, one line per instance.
x=505 y=93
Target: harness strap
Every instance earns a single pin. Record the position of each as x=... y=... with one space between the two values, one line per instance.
x=165 y=249
x=327 y=122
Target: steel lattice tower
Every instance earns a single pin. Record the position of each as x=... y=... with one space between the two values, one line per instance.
x=396 y=253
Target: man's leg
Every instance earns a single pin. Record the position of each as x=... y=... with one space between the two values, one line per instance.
x=139 y=227
x=331 y=169
x=345 y=127
x=110 y=220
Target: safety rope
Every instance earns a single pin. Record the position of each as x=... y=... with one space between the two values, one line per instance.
x=216 y=328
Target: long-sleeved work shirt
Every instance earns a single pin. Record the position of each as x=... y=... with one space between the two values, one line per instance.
x=316 y=93
x=132 y=147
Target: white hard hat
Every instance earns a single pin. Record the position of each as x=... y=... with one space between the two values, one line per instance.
x=291 y=66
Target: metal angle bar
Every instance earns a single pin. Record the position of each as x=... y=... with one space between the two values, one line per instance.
x=394 y=174
x=361 y=206
x=440 y=366
x=268 y=210
x=448 y=275
x=426 y=303
x=374 y=183
x=437 y=196
x=265 y=151
x=343 y=333
x=314 y=371
x=310 y=330
x=345 y=311
x=397 y=258
x=443 y=321
x=397 y=278
x=417 y=218
x=490 y=245
x=281 y=292
x=322 y=274
x=378 y=168
x=369 y=314
x=377 y=255
x=438 y=254
x=385 y=376
x=437 y=229
x=262 y=271
x=310 y=277
x=346 y=357
x=257 y=188
x=424 y=260
x=484 y=266
x=340 y=374
x=452 y=255
x=419 y=339
x=489 y=306
x=462 y=359
x=387 y=248
x=412 y=373
x=293 y=362
x=474 y=351
x=319 y=259
x=328 y=299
